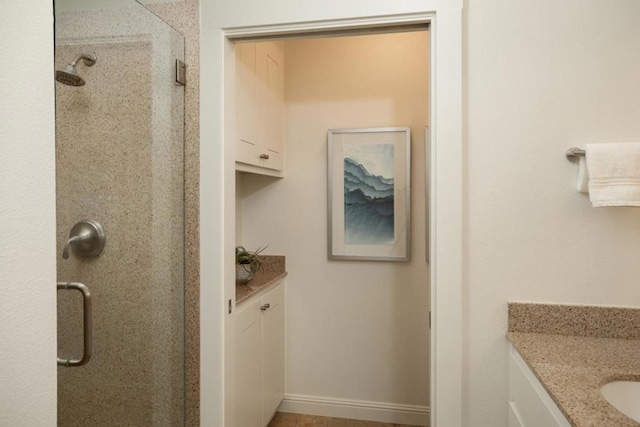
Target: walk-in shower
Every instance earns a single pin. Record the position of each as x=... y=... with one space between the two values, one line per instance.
x=69 y=75
x=120 y=171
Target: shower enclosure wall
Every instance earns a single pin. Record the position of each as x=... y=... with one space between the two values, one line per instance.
x=119 y=148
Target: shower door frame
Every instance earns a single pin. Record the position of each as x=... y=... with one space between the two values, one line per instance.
x=218 y=31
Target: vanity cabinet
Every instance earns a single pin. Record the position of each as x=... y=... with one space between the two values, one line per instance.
x=529 y=403
x=260 y=357
x=260 y=107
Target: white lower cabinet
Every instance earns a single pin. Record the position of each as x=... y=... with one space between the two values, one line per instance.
x=529 y=403
x=260 y=357
x=272 y=353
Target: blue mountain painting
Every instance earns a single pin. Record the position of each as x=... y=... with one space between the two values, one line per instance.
x=368 y=206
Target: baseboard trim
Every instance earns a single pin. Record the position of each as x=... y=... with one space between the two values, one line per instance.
x=356 y=409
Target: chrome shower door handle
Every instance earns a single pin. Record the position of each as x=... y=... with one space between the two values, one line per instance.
x=86 y=321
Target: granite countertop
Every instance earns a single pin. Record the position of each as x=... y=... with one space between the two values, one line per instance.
x=574 y=350
x=273 y=269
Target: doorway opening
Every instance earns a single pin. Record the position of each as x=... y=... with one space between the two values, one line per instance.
x=357 y=332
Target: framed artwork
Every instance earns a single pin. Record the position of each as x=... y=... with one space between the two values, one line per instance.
x=369 y=194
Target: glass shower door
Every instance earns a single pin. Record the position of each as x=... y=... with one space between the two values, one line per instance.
x=119 y=155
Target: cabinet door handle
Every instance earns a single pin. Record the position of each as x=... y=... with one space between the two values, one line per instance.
x=264 y=156
x=265 y=307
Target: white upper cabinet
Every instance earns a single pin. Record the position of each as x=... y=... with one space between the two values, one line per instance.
x=260 y=107
x=247 y=129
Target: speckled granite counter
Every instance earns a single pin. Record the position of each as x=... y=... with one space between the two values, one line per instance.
x=574 y=350
x=273 y=269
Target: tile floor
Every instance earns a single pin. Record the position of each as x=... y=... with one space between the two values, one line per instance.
x=283 y=419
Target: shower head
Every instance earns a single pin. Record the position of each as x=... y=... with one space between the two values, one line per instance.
x=69 y=76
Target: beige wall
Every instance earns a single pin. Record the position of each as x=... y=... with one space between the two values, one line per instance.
x=355 y=330
x=542 y=76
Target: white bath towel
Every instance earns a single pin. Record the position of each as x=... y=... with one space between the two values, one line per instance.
x=614 y=174
x=583 y=175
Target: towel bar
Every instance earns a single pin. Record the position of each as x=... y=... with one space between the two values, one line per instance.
x=574 y=153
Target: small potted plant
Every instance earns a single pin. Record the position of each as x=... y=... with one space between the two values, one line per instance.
x=247 y=263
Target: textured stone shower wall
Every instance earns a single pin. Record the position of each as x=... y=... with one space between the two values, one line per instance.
x=120 y=162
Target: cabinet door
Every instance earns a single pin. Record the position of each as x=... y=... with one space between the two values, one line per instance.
x=249 y=366
x=271 y=74
x=529 y=403
x=248 y=105
x=272 y=352
x=514 y=416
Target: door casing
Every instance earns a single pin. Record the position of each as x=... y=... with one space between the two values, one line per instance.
x=219 y=28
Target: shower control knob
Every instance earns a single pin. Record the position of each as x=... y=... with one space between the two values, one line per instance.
x=86 y=239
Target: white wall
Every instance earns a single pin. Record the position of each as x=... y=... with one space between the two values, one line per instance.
x=355 y=330
x=27 y=216
x=542 y=76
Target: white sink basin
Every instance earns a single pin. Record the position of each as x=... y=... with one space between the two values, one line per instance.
x=624 y=396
